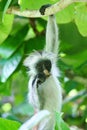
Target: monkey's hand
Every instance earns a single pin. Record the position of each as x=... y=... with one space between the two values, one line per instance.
x=34 y=83
x=40 y=78
x=43 y=8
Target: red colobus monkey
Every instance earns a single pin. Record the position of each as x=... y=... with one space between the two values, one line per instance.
x=44 y=88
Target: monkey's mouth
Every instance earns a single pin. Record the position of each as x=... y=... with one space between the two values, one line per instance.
x=46 y=72
x=42 y=77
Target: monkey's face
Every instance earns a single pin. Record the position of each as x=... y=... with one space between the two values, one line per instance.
x=41 y=63
x=43 y=67
x=43 y=70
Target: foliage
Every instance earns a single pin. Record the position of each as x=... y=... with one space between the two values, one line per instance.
x=60 y=124
x=19 y=36
x=6 y=124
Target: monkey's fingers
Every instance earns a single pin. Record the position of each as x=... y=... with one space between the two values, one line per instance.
x=43 y=8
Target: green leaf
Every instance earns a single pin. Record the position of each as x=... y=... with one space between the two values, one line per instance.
x=64 y=126
x=5 y=27
x=18 y=24
x=8 y=124
x=34 y=5
x=12 y=43
x=73 y=45
x=36 y=43
x=75 y=60
x=60 y=124
x=69 y=85
x=5 y=8
x=58 y=121
x=71 y=39
x=2 y=5
x=66 y=15
x=83 y=70
x=5 y=88
x=11 y=64
x=81 y=18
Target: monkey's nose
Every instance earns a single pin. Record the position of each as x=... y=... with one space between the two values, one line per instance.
x=46 y=72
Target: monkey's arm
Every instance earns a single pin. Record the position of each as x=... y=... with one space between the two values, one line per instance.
x=33 y=95
x=52 y=35
x=52 y=41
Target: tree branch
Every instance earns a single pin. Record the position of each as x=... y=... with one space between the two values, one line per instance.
x=81 y=80
x=80 y=94
x=49 y=11
x=71 y=75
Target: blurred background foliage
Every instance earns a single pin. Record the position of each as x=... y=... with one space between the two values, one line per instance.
x=19 y=36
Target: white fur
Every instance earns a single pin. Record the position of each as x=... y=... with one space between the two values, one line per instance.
x=34 y=57
x=52 y=41
x=29 y=124
x=48 y=95
x=51 y=99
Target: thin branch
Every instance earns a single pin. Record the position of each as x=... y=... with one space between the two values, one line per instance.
x=51 y=10
x=71 y=75
x=33 y=25
x=81 y=80
x=82 y=93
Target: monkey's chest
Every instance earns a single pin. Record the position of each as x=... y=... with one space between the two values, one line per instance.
x=48 y=94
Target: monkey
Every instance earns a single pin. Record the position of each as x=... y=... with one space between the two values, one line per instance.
x=44 y=86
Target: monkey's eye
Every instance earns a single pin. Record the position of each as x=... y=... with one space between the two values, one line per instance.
x=39 y=66
x=43 y=64
x=47 y=64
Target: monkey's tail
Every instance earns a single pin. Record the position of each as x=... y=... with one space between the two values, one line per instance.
x=35 y=120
